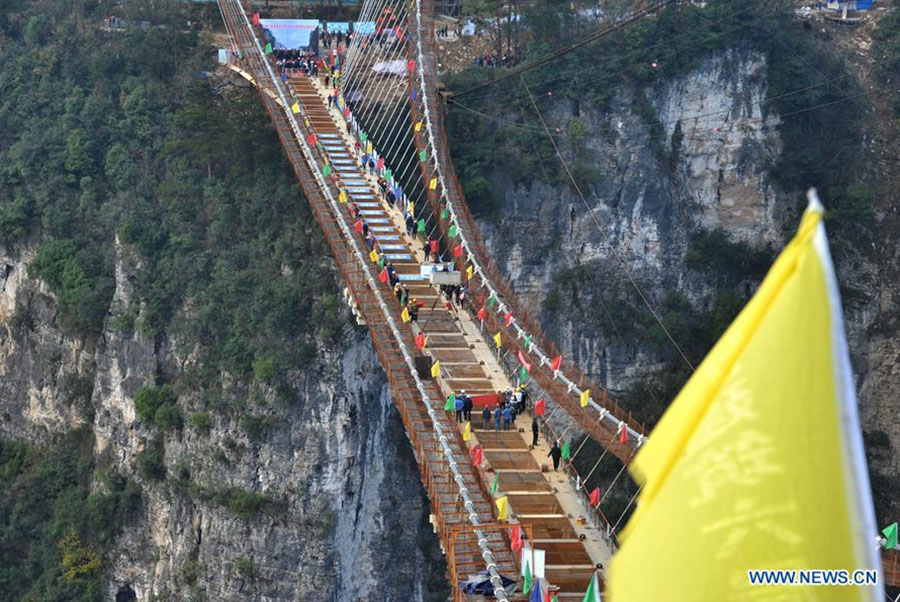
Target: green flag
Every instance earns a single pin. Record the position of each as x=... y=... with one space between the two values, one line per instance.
x=268 y=48
x=523 y=374
x=491 y=301
x=381 y=261
x=593 y=591
x=364 y=136
x=388 y=174
x=445 y=214
x=890 y=535
x=527 y=583
x=450 y=404
x=422 y=155
x=566 y=454
x=326 y=169
x=453 y=231
x=496 y=482
x=527 y=342
x=421 y=225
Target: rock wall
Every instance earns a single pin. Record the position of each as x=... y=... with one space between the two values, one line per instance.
x=655 y=188
x=700 y=164
x=347 y=514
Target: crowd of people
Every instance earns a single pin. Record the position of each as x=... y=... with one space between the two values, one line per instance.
x=292 y=61
x=491 y=60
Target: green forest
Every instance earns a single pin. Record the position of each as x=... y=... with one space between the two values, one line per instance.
x=126 y=135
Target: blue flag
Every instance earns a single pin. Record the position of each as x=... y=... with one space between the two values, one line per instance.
x=536 y=595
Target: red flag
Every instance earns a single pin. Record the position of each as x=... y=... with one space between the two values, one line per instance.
x=623 y=436
x=516 y=539
x=420 y=341
x=540 y=407
x=482 y=312
x=548 y=597
x=379 y=165
x=311 y=140
x=411 y=65
x=398 y=32
x=478 y=455
x=524 y=363
x=433 y=247
x=555 y=363
x=357 y=226
x=595 y=496
x=383 y=276
x=255 y=19
x=458 y=251
x=346 y=112
x=508 y=317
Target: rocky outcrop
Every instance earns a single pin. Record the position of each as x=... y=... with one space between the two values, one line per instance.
x=700 y=163
x=341 y=514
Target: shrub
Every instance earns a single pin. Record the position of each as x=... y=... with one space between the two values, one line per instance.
x=254 y=425
x=157 y=406
x=244 y=504
x=201 y=422
x=151 y=462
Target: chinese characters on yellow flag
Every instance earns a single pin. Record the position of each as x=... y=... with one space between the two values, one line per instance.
x=467 y=432
x=758 y=463
x=435 y=369
x=433 y=184
x=497 y=339
x=295 y=108
x=404 y=315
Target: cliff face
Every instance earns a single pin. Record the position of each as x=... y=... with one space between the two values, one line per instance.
x=654 y=189
x=703 y=166
x=342 y=492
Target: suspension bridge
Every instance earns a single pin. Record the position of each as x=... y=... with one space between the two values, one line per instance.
x=494 y=507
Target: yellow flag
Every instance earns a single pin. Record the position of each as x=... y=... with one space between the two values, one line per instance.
x=502 y=508
x=295 y=107
x=467 y=432
x=470 y=271
x=433 y=184
x=369 y=146
x=342 y=196
x=585 y=397
x=373 y=255
x=404 y=315
x=435 y=369
x=758 y=463
x=497 y=339
x=418 y=126
x=412 y=208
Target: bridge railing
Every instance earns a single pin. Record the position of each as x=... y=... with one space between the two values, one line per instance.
x=412 y=394
x=565 y=385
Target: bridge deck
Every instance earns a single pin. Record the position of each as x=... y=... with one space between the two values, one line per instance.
x=546 y=501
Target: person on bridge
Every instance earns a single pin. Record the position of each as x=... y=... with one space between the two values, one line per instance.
x=459 y=408
x=556 y=454
x=410 y=223
x=535 y=429
x=354 y=211
x=467 y=407
x=497 y=414
x=486 y=418
x=507 y=417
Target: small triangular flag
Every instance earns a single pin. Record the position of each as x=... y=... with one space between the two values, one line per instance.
x=502 y=508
